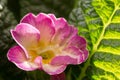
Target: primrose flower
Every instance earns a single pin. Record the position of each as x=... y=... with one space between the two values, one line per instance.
x=46 y=43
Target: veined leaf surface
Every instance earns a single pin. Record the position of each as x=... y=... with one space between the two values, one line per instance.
x=99 y=22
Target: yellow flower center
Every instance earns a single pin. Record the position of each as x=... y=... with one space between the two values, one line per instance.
x=47 y=53
x=47 y=56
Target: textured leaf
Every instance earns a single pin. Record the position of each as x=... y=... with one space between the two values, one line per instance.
x=7 y=21
x=99 y=22
x=58 y=7
x=8 y=71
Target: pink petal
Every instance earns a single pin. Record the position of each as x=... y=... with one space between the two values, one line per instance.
x=42 y=16
x=63 y=35
x=85 y=55
x=59 y=22
x=46 y=27
x=43 y=23
x=53 y=17
x=30 y=19
x=63 y=30
x=18 y=57
x=38 y=61
x=62 y=60
x=53 y=69
x=26 y=35
x=78 y=42
x=71 y=56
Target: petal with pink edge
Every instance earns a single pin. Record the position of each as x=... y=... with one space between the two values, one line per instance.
x=63 y=35
x=43 y=23
x=72 y=55
x=18 y=57
x=59 y=22
x=85 y=54
x=30 y=19
x=62 y=60
x=78 y=42
x=38 y=61
x=53 y=69
x=46 y=27
x=26 y=35
x=53 y=17
x=42 y=16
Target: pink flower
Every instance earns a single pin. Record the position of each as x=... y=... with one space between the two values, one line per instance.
x=46 y=43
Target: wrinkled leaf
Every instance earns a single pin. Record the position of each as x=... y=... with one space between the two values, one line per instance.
x=8 y=71
x=7 y=21
x=99 y=22
x=58 y=7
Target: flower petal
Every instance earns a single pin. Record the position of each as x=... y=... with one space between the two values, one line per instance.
x=85 y=55
x=18 y=57
x=63 y=31
x=26 y=35
x=46 y=27
x=38 y=61
x=78 y=42
x=29 y=18
x=52 y=16
x=53 y=69
x=61 y=60
x=43 y=23
x=63 y=35
x=71 y=55
x=59 y=22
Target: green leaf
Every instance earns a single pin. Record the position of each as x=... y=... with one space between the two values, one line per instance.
x=99 y=22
